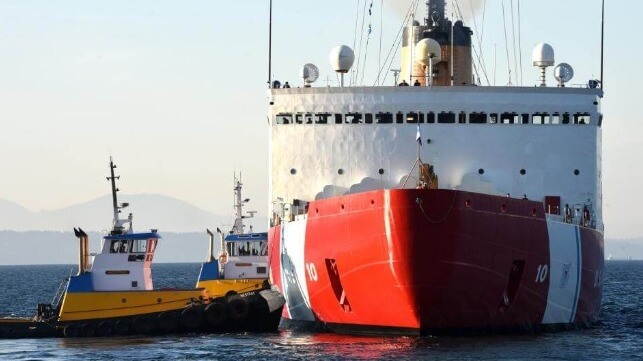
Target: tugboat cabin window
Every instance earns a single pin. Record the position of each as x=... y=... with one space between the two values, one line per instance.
x=247 y=248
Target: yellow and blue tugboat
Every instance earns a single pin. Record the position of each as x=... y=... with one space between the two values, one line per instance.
x=114 y=294
x=240 y=273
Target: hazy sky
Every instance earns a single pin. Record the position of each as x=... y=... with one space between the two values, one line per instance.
x=176 y=90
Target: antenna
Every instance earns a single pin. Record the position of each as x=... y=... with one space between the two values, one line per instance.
x=270 y=48
x=309 y=73
x=341 y=58
x=602 y=41
x=563 y=72
x=543 y=57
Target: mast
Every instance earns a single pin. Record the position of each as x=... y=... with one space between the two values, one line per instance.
x=602 y=40
x=239 y=202
x=113 y=179
x=270 y=48
x=118 y=223
x=434 y=12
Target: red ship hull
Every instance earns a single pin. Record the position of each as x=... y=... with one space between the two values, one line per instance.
x=435 y=261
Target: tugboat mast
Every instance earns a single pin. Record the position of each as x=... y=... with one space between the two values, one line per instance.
x=118 y=223
x=239 y=202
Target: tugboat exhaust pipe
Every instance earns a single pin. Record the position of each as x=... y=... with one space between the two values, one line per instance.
x=83 y=254
x=211 y=252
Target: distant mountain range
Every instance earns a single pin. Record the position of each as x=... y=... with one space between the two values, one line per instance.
x=150 y=211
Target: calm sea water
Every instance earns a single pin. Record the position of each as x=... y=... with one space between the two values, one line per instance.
x=619 y=337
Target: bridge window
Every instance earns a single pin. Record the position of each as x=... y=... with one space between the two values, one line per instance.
x=447 y=118
x=540 y=118
x=384 y=118
x=462 y=118
x=430 y=117
x=478 y=118
x=493 y=118
x=582 y=118
x=139 y=245
x=339 y=119
x=566 y=117
x=353 y=118
x=525 y=118
x=509 y=118
x=415 y=117
x=399 y=118
x=322 y=118
x=368 y=118
x=284 y=118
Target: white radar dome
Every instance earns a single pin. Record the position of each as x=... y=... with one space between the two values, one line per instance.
x=341 y=58
x=427 y=49
x=543 y=55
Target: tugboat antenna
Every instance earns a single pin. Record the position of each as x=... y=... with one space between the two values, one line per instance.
x=113 y=179
x=602 y=41
x=270 y=48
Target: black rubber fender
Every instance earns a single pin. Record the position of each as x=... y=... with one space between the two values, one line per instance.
x=143 y=325
x=216 y=312
x=238 y=308
x=71 y=330
x=168 y=321
x=121 y=327
x=105 y=329
x=87 y=329
x=192 y=317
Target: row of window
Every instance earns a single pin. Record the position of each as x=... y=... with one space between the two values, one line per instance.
x=431 y=117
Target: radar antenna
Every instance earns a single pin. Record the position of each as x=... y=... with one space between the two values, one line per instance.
x=309 y=73
x=563 y=72
x=118 y=226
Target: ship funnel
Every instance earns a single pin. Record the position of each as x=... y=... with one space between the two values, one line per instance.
x=543 y=57
x=341 y=59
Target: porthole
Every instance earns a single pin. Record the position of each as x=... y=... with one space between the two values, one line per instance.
x=340 y=171
x=523 y=172
x=576 y=172
x=381 y=171
x=428 y=140
x=481 y=171
x=293 y=171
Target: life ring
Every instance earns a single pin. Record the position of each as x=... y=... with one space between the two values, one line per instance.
x=223 y=259
x=192 y=317
x=105 y=329
x=143 y=325
x=121 y=327
x=87 y=329
x=168 y=321
x=238 y=308
x=71 y=330
x=215 y=312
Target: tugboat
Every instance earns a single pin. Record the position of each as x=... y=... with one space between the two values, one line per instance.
x=240 y=271
x=114 y=295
